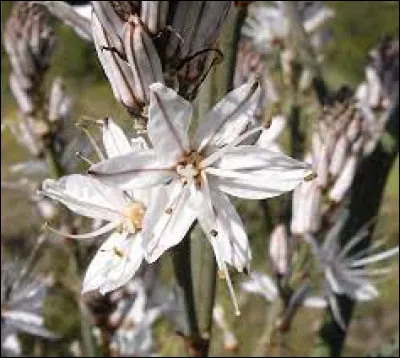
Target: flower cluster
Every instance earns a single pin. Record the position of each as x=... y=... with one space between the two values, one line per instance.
x=151 y=196
x=22 y=299
x=29 y=42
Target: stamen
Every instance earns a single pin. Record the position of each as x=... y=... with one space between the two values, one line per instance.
x=102 y=230
x=82 y=157
x=93 y=143
x=223 y=273
x=214 y=233
x=310 y=176
x=219 y=153
x=118 y=252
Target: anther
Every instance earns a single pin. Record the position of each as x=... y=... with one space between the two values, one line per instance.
x=214 y=233
x=310 y=176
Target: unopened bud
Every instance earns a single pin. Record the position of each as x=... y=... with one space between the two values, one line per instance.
x=374 y=88
x=154 y=15
x=143 y=59
x=345 y=179
x=306 y=213
x=59 y=103
x=24 y=100
x=116 y=68
x=339 y=155
x=320 y=159
x=278 y=249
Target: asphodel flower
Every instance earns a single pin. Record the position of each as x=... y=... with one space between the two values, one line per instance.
x=120 y=255
x=197 y=173
x=344 y=272
x=267 y=26
x=22 y=300
x=261 y=284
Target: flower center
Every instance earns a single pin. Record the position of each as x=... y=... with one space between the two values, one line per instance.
x=134 y=212
x=188 y=167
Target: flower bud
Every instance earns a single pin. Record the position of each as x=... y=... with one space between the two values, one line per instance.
x=60 y=104
x=197 y=25
x=339 y=155
x=278 y=249
x=374 y=90
x=143 y=59
x=24 y=100
x=320 y=159
x=117 y=70
x=343 y=182
x=306 y=213
x=111 y=22
x=154 y=15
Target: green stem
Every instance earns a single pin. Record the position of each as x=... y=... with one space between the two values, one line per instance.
x=366 y=197
x=194 y=262
x=204 y=272
x=181 y=258
x=266 y=338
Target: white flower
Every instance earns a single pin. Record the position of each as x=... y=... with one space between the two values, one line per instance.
x=22 y=299
x=121 y=254
x=261 y=284
x=133 y=337
x=200 y=172
x=345 y=274
x=268 y=26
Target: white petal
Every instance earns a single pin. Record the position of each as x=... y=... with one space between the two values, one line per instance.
x=169 y=120
x=24 y=317
x=333 y=281
x=254 y=173
x=366 y=292
x=200 y=201
x=170 y=225
x=114 y=140
x=261 y=284
x=228 y=118
x=331 y=242
x=315 y=302
x=375 y=258
x=235 y=249
x=86 y=196
x=336 y=311
x=271 y=134
x=318 y=19
x=115 y=263
x=138 y=169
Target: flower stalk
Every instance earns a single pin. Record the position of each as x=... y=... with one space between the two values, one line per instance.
x=365 y=199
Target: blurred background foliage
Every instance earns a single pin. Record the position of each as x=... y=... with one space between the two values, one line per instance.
x=356 y=28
